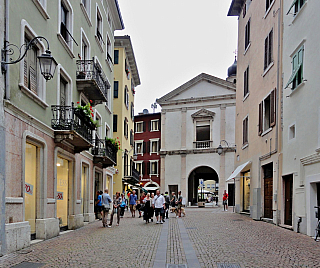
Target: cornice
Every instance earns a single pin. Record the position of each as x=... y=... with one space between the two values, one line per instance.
x=224 y=105
x=194 y=151
x=12 y=109
x=310 y=159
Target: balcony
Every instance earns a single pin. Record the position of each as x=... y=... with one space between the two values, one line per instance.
x=134 y=178
x=202 y=144
x=104 y=152
x=92 y=81
x=72 y=125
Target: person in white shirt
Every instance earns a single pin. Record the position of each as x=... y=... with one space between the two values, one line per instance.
x=159 y=203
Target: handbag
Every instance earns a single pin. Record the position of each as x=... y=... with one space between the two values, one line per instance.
x=123 y=204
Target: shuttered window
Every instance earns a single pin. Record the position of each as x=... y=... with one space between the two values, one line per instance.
x=245 y=131
x=268 y=4
x=115 y=123
x=267 y=112
x=116 y=57
x=30 y=68
x=115 y=89
x=296 y=6
x=268 y=47
x=296 y=77
x=246 y=82
x=247 y=35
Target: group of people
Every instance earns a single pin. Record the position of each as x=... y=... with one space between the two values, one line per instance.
x=148 y=206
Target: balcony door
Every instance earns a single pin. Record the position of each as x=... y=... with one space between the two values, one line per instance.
x=203 y=135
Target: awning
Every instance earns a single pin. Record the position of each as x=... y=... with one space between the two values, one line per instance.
x=151 y=188
x=237 y=171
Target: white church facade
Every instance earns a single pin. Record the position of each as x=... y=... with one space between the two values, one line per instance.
x=196 y=118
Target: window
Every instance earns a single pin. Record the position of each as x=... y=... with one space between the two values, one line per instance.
x=131 y=138
x=297 y=4
x=268 y=4
x=154 y=146
x=247 y=35
x=63 y=91
x=115 y=89
x=132 y=111
x=138 y=166
x=268 y=43
x=139 y=127
x=203 y=131
x=246 y=82
x=86 y=10
x=107 y=131
x=115 y=123
x=64 y=17
x=153 y=168
x=99 y=28
x=125 y=127
x=66 y=26
x=296 y=77
x=139 y=147
x=42 y=7
x=267 y=113
x=99 y=129
x=292 y=132
x=116 y=57
x=31 y=71
x=126 y=97
x=245 y=131
x=109 y=50
x=154 y=125
x=246 y=7
x=85 y=46
x=126 y=163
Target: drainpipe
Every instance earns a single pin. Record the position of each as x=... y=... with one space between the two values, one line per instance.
x=6 y=39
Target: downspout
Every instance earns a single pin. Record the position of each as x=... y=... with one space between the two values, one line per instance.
x=6 y=39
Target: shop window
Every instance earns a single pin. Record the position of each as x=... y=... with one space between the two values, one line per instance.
x=246 y=191
x=62 y=191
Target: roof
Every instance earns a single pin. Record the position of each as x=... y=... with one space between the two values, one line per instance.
x=148 y=115
x=201 y=77
x=125 y=41
x=235 y=7
x=116 y=14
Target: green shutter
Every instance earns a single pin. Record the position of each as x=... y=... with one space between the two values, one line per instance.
x=292 y=5
x=297 y=62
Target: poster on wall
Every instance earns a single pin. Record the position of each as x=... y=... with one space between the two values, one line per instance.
x=59 y=195
x=29 y=188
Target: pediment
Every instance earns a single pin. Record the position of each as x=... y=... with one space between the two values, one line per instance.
x=203 y=113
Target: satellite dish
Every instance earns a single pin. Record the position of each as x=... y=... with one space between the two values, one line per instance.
x=145 y=111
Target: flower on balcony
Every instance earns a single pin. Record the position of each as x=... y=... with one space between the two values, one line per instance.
x=88 y=111
x=114 y=143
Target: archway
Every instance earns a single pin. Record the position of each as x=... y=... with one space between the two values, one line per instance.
x=205 y=173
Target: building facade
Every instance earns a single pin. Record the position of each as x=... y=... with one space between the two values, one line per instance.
x=258 y=124
x=300 y=183
x=126 y=78
x=57 y=152
x=147 y=142
x=196 y=118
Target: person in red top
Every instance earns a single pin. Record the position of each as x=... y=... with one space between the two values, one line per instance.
x=225 y=200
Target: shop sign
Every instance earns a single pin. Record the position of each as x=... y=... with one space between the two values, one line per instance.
x=59 y=195
x=29 y=188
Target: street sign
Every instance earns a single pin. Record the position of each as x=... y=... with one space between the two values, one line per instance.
x=201 y=183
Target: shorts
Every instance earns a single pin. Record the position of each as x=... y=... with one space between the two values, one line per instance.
x=133 y=207
x=224 y=202
x=158 y=211
x=99 y=209
x=179 y=206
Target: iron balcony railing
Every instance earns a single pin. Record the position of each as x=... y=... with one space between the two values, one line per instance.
x=73 y=119
x=202 y=144
x=89 y=70
x=105 y=148
x=135 y=174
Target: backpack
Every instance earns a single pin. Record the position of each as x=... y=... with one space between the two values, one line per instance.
x=167 y=199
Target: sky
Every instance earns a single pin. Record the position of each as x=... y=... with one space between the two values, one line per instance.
x=176 y=40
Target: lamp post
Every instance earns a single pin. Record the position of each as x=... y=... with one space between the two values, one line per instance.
x=220 y=148
x=47 y=63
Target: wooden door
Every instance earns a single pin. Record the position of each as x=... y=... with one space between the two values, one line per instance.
x=231 y=194
x=268 y=191
x=288 y=182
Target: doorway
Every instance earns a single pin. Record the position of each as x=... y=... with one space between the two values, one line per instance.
x=62 y=192
x=268 y=190
x=173 y=188
x=288 y=188
x=31 y=175
x=231 y=194
x=205 y=173
x=84 y=179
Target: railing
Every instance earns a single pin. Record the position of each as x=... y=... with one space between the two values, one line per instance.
x=72 y=118
x=135 y=174
x=89 y=70
x=202 y=144
x=102 y=147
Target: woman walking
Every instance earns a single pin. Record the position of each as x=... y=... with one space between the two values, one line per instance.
x=152 y=207
x=147 y=208
x=122 y=205
x=116 y=209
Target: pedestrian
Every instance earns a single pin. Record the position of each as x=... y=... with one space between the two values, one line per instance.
x=147 y=208
x=98 y=206
x=140 y=206
x=179 y=203
x=106 y=201
x=225 y=200
x=122 y=205
x=159 y=203
x=167 y=199
x=152 y=207
x=116 y=209
x=133 y=203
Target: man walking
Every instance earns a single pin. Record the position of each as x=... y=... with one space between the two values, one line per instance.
x=106 y=201
x=167 y=199
x=225 y=200
x=179 y=203
x=116 y=209
x=133 y=203
x=159 y=203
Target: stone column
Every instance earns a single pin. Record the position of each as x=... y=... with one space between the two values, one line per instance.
x=163 y=185
x=183 y=181
x=163 y=124
x=222 y=177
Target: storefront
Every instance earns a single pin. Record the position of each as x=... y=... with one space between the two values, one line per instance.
x=246 y=191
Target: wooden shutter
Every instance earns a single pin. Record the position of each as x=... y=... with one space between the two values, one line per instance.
x=266 y=53
x=148 y=168
x=115 y=123
x=248 y=34
x=156 y=168
x=273 y=100
x=159 y=124
x=143 y=166
x=270 y=47
x=144 y=147
x=243 y=131
x=144 y=126
x=245 y=84
x=150 y=125
x=260 y=118
x=159 y=145
x=148 y=146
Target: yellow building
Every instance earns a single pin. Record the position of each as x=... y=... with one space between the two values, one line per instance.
x=126 y=78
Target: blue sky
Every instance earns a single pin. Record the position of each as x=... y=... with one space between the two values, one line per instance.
x=175 y=40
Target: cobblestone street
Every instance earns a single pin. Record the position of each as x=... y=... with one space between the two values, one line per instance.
x=204 y=238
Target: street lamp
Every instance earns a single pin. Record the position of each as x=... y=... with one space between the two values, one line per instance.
x=47 y=63
x=220 y=148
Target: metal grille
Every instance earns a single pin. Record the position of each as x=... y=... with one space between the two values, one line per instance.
x=228 y=265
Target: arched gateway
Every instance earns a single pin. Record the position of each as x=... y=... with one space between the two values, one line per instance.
x=203 y=172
